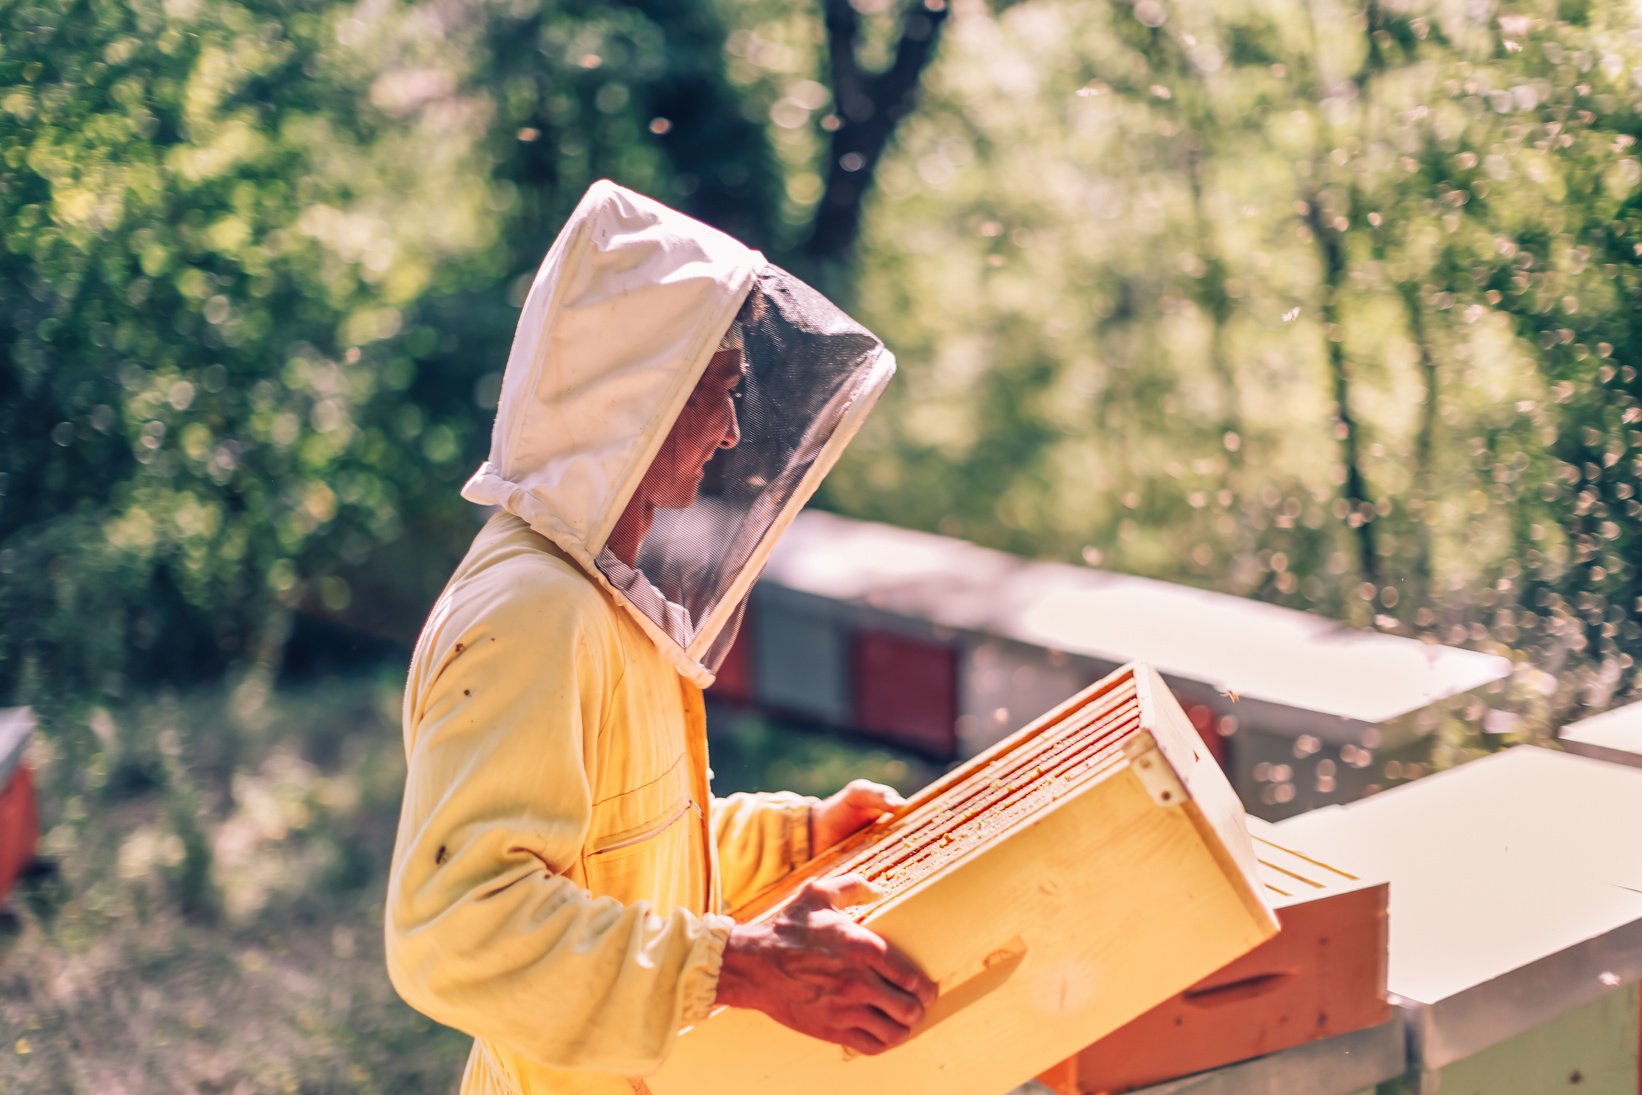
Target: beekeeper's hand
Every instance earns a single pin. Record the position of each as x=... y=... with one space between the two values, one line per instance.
x=861 y=801
x=813 y=969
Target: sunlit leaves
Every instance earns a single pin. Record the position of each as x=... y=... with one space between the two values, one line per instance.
x=1483 y=198
x=161 y=259
x=261 y=261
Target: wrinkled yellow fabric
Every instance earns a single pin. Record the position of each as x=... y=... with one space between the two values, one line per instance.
x=555 y=888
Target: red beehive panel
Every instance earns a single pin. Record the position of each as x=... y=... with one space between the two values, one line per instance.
x=19 y=827
x=906 y=690
x=19 y=814
x=1322 y=975
x=735 y=675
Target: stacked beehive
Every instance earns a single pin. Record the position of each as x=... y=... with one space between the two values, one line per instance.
x=1060 y=884
x=944 y=646
x=1515 y=919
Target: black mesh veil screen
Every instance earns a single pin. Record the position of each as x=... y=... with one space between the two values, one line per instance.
x=802 y=364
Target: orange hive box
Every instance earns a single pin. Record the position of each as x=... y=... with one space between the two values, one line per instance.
x=1069 y=879
x=1323 y=974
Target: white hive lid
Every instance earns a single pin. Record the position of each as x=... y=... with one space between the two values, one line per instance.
x=1263 y=652
x=1613 y=735
x=1516 y=888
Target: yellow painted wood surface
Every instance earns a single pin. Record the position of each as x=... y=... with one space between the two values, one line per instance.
x=1119 y=893
x=1323 y=975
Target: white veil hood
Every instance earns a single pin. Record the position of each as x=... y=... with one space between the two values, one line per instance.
x=621 y=321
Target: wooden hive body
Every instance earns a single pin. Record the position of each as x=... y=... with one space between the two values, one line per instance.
x=1072 y=877
x=1322 y=975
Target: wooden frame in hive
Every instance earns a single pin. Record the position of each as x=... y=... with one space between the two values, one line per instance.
x=1057 y=886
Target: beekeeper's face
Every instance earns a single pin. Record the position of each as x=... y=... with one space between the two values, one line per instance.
x=706 y=424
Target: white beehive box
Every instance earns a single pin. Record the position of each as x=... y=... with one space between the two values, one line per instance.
x=1516 y=918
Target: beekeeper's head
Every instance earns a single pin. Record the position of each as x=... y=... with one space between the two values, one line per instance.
x=670 y=402
x=705 y=425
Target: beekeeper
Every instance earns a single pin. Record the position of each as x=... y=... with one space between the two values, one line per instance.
x=561 y=869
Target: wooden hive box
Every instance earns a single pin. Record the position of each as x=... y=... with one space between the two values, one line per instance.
x=1322 y=975
x=1069 y=879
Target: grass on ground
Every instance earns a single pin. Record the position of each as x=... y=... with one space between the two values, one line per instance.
x=214 y=920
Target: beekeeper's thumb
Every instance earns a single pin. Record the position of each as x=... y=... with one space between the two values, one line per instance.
x=839 y=892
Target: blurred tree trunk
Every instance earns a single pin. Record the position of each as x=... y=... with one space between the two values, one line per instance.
x=1425 y=444
x=1360 y=517
x=1332 y=289
x=1210 y=288
x=1382 y=32
x=722 y=158
x=1201 y=129
x=867 y=108
x=719 y=161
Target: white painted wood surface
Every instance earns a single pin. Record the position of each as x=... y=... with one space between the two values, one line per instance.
x=1613 y=736
x=16 y=727
x=1516 y=890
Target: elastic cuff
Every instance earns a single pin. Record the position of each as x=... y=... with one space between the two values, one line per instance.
x=706 y=960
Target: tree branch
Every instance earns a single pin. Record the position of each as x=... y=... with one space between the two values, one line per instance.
x=843 y=24
x=1361 y=515
x=869 y=107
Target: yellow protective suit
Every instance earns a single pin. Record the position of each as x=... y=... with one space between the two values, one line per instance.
x=561 y=871
x=554 y=755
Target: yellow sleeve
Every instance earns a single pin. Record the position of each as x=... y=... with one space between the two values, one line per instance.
x=760 y=838
x=484 y=932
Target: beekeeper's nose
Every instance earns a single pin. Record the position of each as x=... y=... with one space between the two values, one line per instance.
x=732 y=434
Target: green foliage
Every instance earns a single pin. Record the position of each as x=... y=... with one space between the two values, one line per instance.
x=1321 y=304
x=195 y=268
x=261 y=261
x=754 y=753
x=226 y=918
x=1170 y=283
